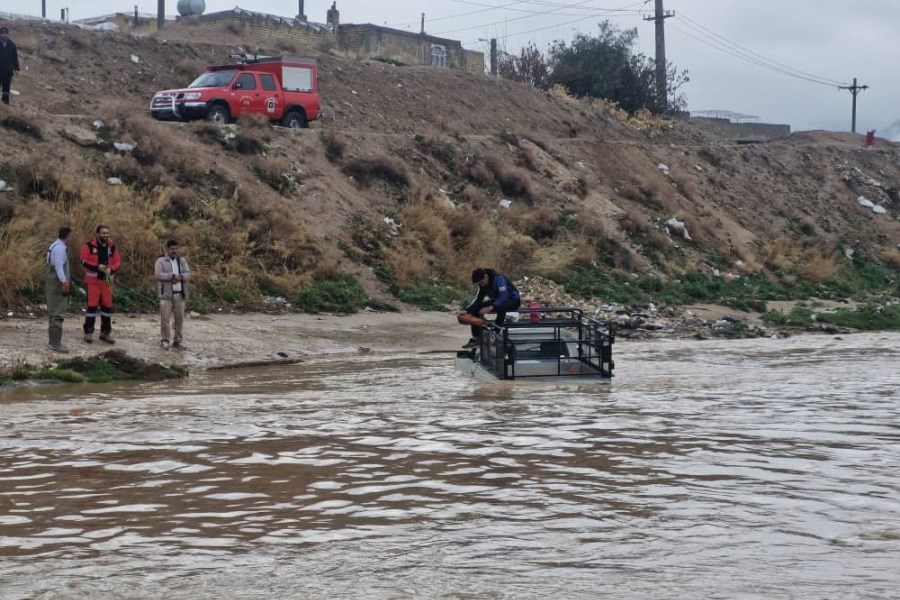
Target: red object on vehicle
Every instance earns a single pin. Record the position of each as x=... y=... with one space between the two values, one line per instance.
x=283 y=89
x=534 y=316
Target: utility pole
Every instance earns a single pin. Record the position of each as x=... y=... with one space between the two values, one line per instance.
x=854 y=89
x=661 y=87
x=43 y=9
x=161 y=14
x=494 y=57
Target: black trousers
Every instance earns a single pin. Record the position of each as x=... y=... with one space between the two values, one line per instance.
x=5 y=82
x=501 y=311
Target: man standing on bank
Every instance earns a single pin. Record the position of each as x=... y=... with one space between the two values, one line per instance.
x=56 y=286
x=503 y=298
x=172 y=275
x=100 y=259
x=9 y=62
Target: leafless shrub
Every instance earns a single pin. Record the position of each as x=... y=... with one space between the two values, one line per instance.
x=463 y=222
x=634 y=221
x=891 y=258
x=530 y=158
x=686 y=187
x=645 y=193
x=253 y=135
x=386 y=168
x=780 y=253
x=277 y=172
x=334 y=144
x=23 y=125
x=807 y=227
x=474 y=197
x=479 y=174
x=236 y=27
x=513 y=182
x=710 y=157
x=817 y=266
x=249 y=206
x=180 y=205
x=7 y=211
x=541 y=223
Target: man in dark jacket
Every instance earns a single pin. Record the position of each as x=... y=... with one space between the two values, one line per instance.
x=496 y=294
x=9 y=62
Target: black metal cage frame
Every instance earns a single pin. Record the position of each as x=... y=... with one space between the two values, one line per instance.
x=556 y=332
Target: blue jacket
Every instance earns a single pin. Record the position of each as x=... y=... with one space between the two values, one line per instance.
x=499 y=289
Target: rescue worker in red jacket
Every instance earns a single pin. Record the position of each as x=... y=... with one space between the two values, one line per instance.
x=100 y=259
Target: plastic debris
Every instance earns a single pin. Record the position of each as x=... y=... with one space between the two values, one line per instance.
x=114 y=181
x=664 y=168
x=135 y=58
x=505 y=203
x=878 y=209
x=393 y=225
x=863 y=201
x=123 y=147
x=677 y=225
x=4 y=187
x=98 y=124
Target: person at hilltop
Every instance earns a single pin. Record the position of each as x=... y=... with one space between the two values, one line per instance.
x=496 y=294
x=9 y=62
x=172 y=274
x=101 y=260
x=56 y=287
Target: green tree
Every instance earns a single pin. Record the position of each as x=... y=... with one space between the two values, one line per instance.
x=607 y=66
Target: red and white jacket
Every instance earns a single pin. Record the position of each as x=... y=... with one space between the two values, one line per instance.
x=90 y=259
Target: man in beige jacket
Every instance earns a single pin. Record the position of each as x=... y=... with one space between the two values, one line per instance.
x=172 y=275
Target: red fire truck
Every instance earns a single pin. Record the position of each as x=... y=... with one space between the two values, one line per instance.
x=283 y=88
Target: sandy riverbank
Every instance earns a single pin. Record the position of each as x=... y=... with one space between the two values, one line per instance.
x=224 y=339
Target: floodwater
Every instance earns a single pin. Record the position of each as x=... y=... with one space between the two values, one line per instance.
x=718 y=469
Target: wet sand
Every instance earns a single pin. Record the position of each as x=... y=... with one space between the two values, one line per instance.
x=229 y=339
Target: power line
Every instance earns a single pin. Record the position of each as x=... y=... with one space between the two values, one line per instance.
x=466 y=14
x=601 y=12
x=723 y=44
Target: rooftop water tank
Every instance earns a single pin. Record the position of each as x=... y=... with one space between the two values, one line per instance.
x=188 y=8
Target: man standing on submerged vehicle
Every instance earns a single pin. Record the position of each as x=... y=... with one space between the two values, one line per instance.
x=504 y=298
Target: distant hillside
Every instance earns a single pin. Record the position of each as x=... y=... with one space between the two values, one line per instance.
x=396 y=193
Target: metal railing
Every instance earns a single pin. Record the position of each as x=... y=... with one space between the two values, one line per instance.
x=559 y=342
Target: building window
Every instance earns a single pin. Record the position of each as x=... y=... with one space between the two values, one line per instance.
x=438 y=55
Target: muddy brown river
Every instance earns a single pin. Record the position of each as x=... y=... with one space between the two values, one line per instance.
x=719 y=469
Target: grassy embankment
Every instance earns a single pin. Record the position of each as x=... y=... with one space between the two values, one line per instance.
x=113 y=365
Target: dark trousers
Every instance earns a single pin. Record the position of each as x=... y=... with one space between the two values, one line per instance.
x=501 y=311
x=5 y=82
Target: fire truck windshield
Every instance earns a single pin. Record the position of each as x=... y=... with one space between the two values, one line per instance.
x=213 y=79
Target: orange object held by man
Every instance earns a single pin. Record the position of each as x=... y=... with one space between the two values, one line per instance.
x=467 y=319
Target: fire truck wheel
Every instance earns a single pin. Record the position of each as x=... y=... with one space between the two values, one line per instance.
x=217 y=114
x=294 y=120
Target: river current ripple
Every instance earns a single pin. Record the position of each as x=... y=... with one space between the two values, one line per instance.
x=739 y=469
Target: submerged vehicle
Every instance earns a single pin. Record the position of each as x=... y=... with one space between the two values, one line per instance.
x=552 y=344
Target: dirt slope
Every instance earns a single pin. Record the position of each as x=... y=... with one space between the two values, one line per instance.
x=435 y=151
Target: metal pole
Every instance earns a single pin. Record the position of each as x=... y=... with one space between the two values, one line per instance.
x=161 y=14
x=43 y=9
x=135 y=16
x=494 y=56
x=423 y=24
x=853 y=122
x=661 y=84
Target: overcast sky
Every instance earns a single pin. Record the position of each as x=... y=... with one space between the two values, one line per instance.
x=829 y=41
